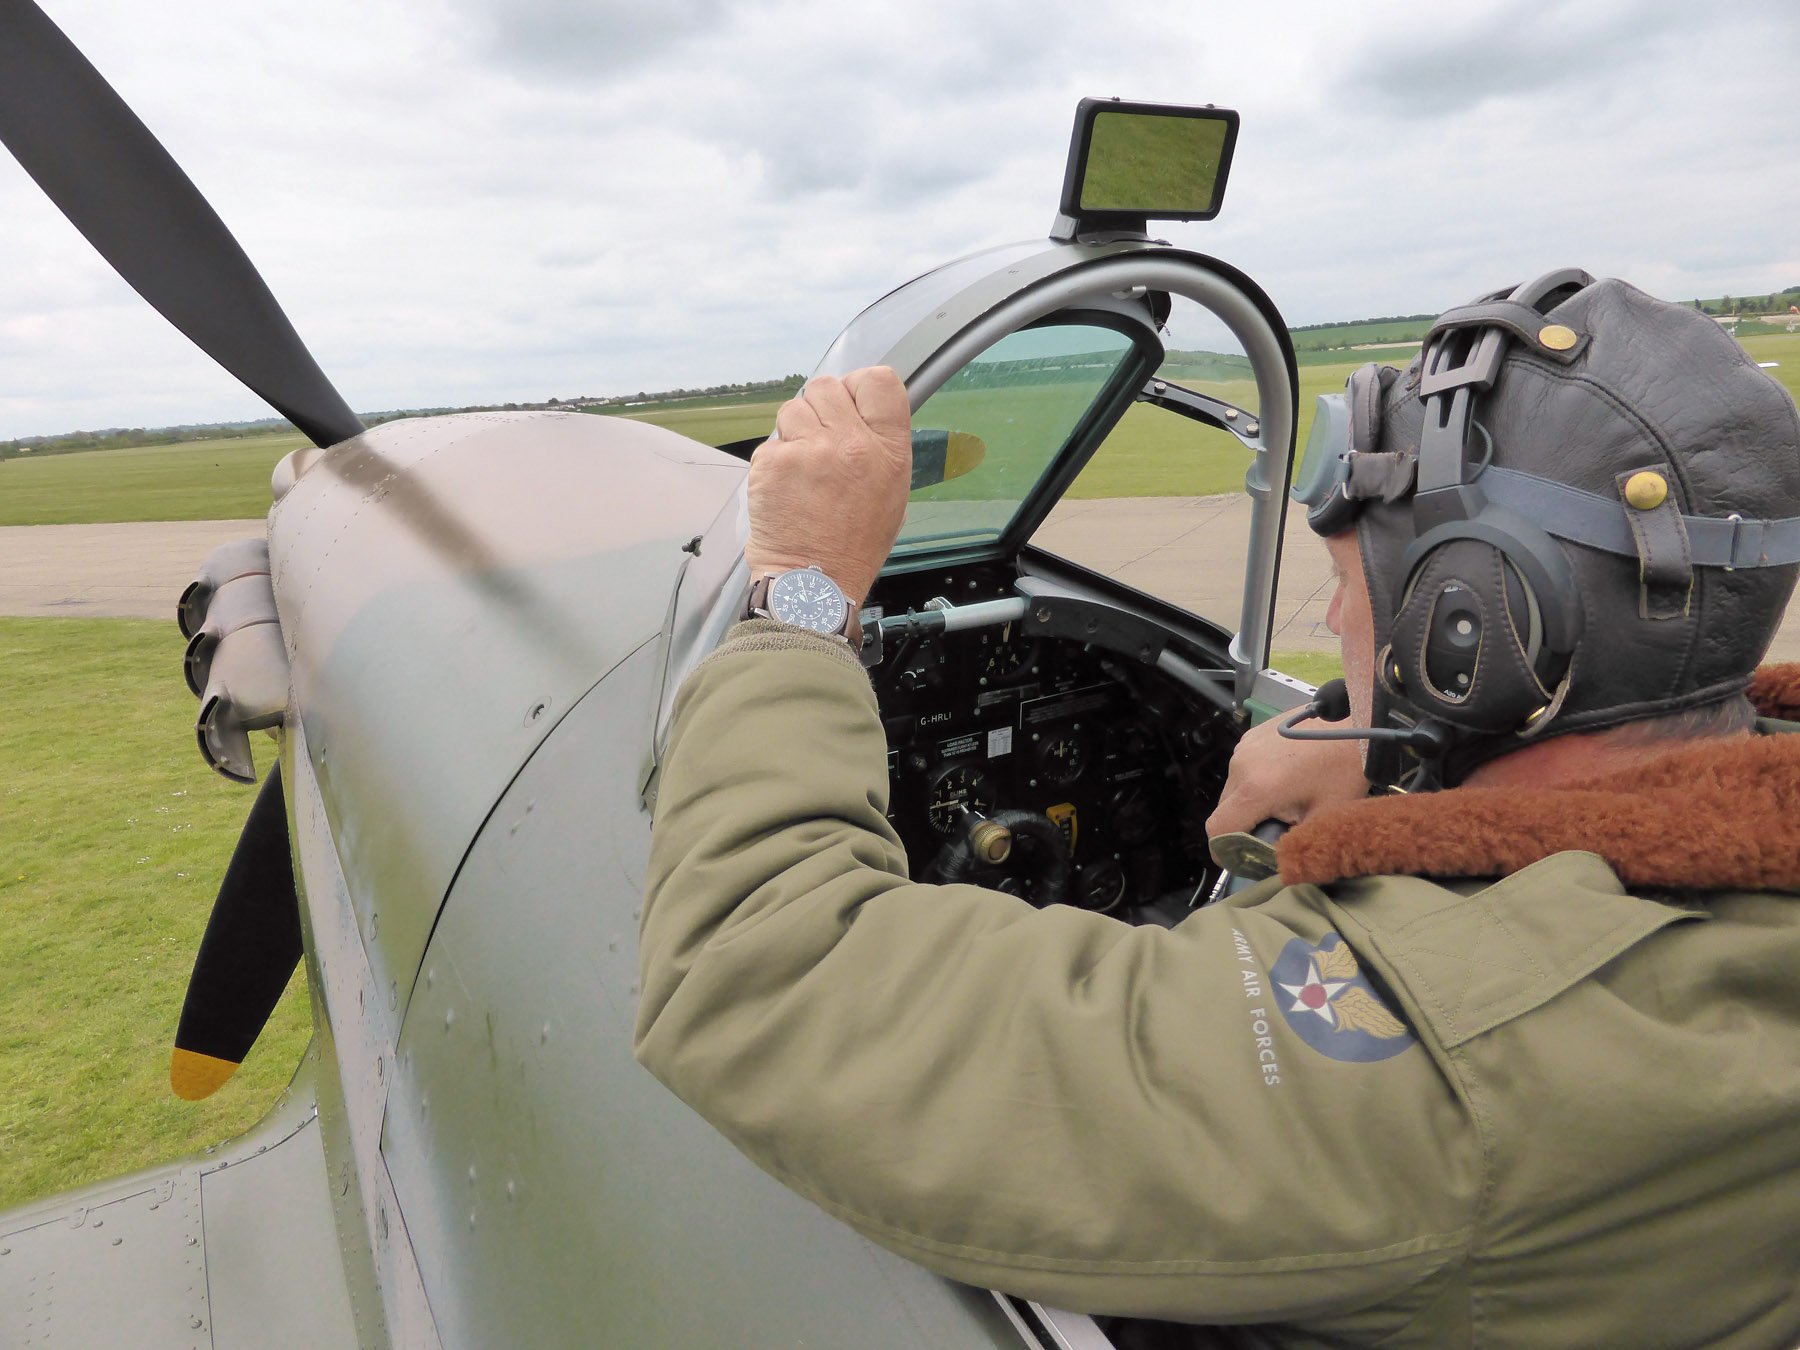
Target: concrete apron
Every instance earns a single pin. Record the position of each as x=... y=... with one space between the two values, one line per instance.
x=1187 y=551
x=135 y=570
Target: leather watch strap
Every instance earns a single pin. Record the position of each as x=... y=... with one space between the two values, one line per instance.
x=756 y=606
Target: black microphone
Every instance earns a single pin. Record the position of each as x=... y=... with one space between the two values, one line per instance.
x=1331 y=703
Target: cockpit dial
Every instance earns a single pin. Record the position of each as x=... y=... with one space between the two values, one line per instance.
x=1062 y=757
x=1004 y=651
x=1134 y=813
x=959 y=788
x=994 y=719
x=1100 y=885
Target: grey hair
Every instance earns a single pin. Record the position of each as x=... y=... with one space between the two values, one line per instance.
x=1731 y=717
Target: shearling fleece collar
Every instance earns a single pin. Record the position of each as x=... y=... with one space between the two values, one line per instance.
x=1775 y=690
x=1715 y=815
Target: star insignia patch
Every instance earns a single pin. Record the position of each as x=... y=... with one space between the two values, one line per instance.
x=1330 y=1004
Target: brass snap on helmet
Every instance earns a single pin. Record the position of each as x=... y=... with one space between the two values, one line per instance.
x=1579 y=506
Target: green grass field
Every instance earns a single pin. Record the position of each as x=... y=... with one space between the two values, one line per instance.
x=229 y=480
x=1783 y=348
x=201 y=480
x=113 y=836
x=1313 y=667
x=715 y=425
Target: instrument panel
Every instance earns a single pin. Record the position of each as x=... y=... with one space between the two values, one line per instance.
x=1104 y=768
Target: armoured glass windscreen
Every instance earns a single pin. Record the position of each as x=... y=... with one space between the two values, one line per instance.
x=986 y=439
x=1161 y=505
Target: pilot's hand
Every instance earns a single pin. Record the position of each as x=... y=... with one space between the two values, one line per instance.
x=1273 y=778
x=831 y=489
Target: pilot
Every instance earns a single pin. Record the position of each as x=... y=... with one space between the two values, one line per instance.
x=1510 y=1058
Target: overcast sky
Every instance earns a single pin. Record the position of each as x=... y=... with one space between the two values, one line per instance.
x=489 y=200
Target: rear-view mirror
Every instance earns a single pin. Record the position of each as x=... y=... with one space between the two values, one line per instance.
x=1134 y=162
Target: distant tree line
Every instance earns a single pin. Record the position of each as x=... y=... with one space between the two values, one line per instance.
x=115 y=438
x=786 y=385
x=1775 y=302
x=1357 y=323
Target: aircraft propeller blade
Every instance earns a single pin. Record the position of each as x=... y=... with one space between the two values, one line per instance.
x=251 y=947
x=120 y=188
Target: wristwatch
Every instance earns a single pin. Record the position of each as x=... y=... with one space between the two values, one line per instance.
x=806 y=598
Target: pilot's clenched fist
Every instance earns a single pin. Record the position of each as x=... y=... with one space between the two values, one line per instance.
x=829 y=488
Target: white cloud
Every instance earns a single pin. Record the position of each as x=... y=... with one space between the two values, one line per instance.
x=492 y=201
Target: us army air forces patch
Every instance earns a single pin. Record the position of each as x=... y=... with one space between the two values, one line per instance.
x=1330 y=1004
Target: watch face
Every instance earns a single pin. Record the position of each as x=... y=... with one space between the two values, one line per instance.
x=808 y=599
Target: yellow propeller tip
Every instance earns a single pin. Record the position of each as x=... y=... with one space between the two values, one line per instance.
x=964 y=452
x=195 y=1076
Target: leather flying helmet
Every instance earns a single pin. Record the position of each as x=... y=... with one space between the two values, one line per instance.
x=1579 y=506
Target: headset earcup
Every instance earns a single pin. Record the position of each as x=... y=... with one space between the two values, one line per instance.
x=1460 y=640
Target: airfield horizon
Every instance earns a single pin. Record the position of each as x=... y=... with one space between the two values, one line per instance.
x=1336 y=342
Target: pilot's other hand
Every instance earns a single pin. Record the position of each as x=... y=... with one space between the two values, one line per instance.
x=1273 y=778
x=830 y=489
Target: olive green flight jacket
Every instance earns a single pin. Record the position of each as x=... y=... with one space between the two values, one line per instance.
x=1534 y=1111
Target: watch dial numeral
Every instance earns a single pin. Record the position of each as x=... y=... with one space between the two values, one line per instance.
x=808 y=599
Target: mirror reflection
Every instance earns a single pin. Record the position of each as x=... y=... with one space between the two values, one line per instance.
x=1153 y=163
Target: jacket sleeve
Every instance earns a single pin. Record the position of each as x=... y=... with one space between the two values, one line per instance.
x=1050 y=1103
